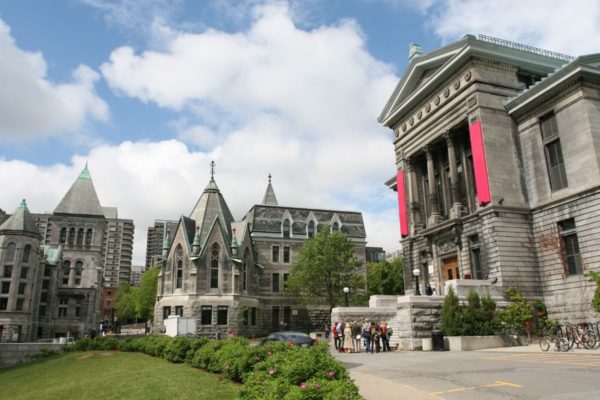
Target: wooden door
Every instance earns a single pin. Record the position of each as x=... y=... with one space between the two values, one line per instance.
x=451 y=269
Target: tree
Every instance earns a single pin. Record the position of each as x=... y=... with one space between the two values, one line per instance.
x=594 y=276
x=125 y=301
x=146 y=294
x=325 y=266
x=386 y=277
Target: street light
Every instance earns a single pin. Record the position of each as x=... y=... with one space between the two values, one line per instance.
x=416 y=273
x=346 y=291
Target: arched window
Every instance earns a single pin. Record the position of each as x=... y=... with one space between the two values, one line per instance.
x=88 y=237
x=80 y=237
x=63 y=235
x=66 y=270
x=26 y=254
x=245 y=269
x=78 y=272
x=214 y=266
x=310 y=229
x=179 y=279
x=72 y=236
x=285 y=227
x=9 y=253
x=335 y=227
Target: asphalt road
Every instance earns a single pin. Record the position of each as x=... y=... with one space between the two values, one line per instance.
x=502 y=374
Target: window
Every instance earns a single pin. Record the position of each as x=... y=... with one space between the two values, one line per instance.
x=275 y=281
x=553 y=151
x=310 y=229
x=214 y=266
x=476 y=266
x=77 y=310
x=179 y=310
x=88 y=237
x=7 y=271
x=245 y=317
x=9 y=253
x=275 y=319
x=570 y=246
x=3 y=303
x=22 y=287
x=80 y=234
x=24 y=271
x=287 y=317
x=42 y=311
x=222 y=315
x=166 y=312
x=285 y=279
x=206 y=315
x=275 y=251
x=63 y=235
x=5 y=287
x=253 y=316
x=179 y=278
x=47 y=271
x=71 y=236
x=65 y=272
x=19 y=305
x=78 y=272
x=63 y=305
x=286 y=254
x=335 y=227
x=26 y=254
x=285 y=228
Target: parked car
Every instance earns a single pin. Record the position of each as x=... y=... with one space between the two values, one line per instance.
x=297 y=338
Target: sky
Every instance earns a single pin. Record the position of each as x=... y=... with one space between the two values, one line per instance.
x=148 y=93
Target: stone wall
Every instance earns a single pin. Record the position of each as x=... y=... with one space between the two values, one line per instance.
x=16 y=353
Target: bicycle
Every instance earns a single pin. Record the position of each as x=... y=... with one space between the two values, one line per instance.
x=560 y=342
x=579 y=335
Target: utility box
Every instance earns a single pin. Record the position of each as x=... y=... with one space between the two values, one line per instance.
x=176 y=325
x=437 y=340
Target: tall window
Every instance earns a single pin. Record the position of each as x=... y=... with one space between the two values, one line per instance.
x=179 y=310
x=9 y=253
x=80 y=234
x=287 y=316
x=285 y=227
x=222 y=315
x=7 y=273
x=275 y=283
x=245 y=269
x=310 y=229
x=5 y=287
x=253 y=316
x=179 y=278
x=78 y=272
x=88 y=237
x=26 y=254
x=71 y=236
x=63 y=306
x=335 y=227
x=275 y=253
x=214 y=266
x=24 y=271
x=286 y=254
x=476 y=266
x=166 y=312
x=553 y=150
x=63 y=235
x=570 y=246
x=66 y=269
x=206 y=315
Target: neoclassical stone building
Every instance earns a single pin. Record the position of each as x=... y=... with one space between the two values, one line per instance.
x=229 y=276
x=54 y=267
x=498 y=169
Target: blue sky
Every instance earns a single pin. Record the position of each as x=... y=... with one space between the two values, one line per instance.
x=149 y=92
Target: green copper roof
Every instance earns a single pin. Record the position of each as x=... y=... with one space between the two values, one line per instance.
x=20 y=221
x=22 y=206
x=85 y=174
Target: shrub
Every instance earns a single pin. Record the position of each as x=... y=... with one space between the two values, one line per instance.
x=517 y=312
x=451 y=316
x=176 y=351
x=207 y=358
x=194 y=347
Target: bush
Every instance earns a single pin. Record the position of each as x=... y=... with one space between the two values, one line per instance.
x=176 y=351
x=451 y=316
x=102 y=343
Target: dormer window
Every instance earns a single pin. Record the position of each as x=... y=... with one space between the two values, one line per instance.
x=285 y=227
x=310 y=229
x=335 y=227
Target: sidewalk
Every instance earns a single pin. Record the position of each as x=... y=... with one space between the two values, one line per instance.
x=372 y=387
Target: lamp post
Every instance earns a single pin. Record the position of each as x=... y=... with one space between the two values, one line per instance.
x=416 y=272
x=346 y=291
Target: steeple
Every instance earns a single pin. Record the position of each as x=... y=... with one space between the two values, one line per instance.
x=21 y=221
x=270 y=199
x=81 y=199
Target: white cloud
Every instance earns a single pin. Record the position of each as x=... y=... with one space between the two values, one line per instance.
x=31 y=105
x=571 y=27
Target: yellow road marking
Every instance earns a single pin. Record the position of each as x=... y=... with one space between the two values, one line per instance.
x=461 y=389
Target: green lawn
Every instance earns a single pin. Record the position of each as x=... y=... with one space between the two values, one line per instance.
x=112 y=375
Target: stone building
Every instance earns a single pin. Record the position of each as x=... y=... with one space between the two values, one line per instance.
x=155 y=239
x=53 y=265
x=230 y=275
x=498 y=169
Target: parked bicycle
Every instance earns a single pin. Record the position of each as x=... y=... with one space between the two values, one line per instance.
x=557 y=339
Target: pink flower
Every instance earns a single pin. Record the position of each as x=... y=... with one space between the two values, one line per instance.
x=318 y=385
x=303 y=385
x=271 y=371
x=269 y=352
x=331 y=374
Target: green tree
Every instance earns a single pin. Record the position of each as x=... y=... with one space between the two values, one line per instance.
x=517 y=312
x=594 y=276
x=325 y=266
x=146 y=294
x=451 y=315
x=125 y=301
x=386 y=277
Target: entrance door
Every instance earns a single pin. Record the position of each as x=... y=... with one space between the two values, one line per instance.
x=451 y=269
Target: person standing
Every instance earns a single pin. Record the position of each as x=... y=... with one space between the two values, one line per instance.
x=336 y=337
x=340 y=331
x=385 y=338
x=348 y=338
x=356 y=335
x=367 y=336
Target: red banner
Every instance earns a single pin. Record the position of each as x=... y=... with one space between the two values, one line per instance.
x=482 y=184
x=402 y=203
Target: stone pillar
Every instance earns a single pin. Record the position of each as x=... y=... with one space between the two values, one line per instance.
x=72 y=275
x=454 y=191
x=433 y=197
x=413 y=196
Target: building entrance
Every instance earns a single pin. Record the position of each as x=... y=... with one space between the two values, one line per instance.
x=451 y=269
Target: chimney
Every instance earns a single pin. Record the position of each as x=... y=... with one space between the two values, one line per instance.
x=414 y=51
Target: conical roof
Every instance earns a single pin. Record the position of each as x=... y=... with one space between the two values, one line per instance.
x=20 y=221
x=81 y=199
x=211 y=205
x=270 y=199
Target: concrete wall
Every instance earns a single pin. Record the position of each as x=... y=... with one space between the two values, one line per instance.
x=16 y=353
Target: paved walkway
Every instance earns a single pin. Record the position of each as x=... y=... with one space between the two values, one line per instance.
x=363 y=369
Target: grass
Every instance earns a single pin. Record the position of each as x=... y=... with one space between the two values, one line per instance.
x=112 y=375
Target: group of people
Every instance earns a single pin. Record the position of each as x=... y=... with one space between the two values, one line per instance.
x=350 y=337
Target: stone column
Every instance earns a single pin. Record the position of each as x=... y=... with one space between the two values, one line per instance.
x=413 y=196
x=72 y=275
x=433 y=197
x=454 y=191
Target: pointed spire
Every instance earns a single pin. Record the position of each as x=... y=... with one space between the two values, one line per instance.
x=212 y=185
x=81 y=199
x=165 y=246
x=21 y=221
x=196 y=244
x=85 y=173
x=270 y=199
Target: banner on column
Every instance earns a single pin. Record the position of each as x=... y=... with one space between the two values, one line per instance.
x=482 y=184
x=402 y=203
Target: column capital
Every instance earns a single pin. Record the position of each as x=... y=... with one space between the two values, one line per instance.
x=427 y=151
x=449 y=138
x=409 y=163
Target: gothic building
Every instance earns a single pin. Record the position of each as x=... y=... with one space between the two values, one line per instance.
x=55 y=266
x=498 y=169
x=229 y=276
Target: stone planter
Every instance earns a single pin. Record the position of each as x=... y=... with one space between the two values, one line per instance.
x=467 y=343
x=427 y=344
